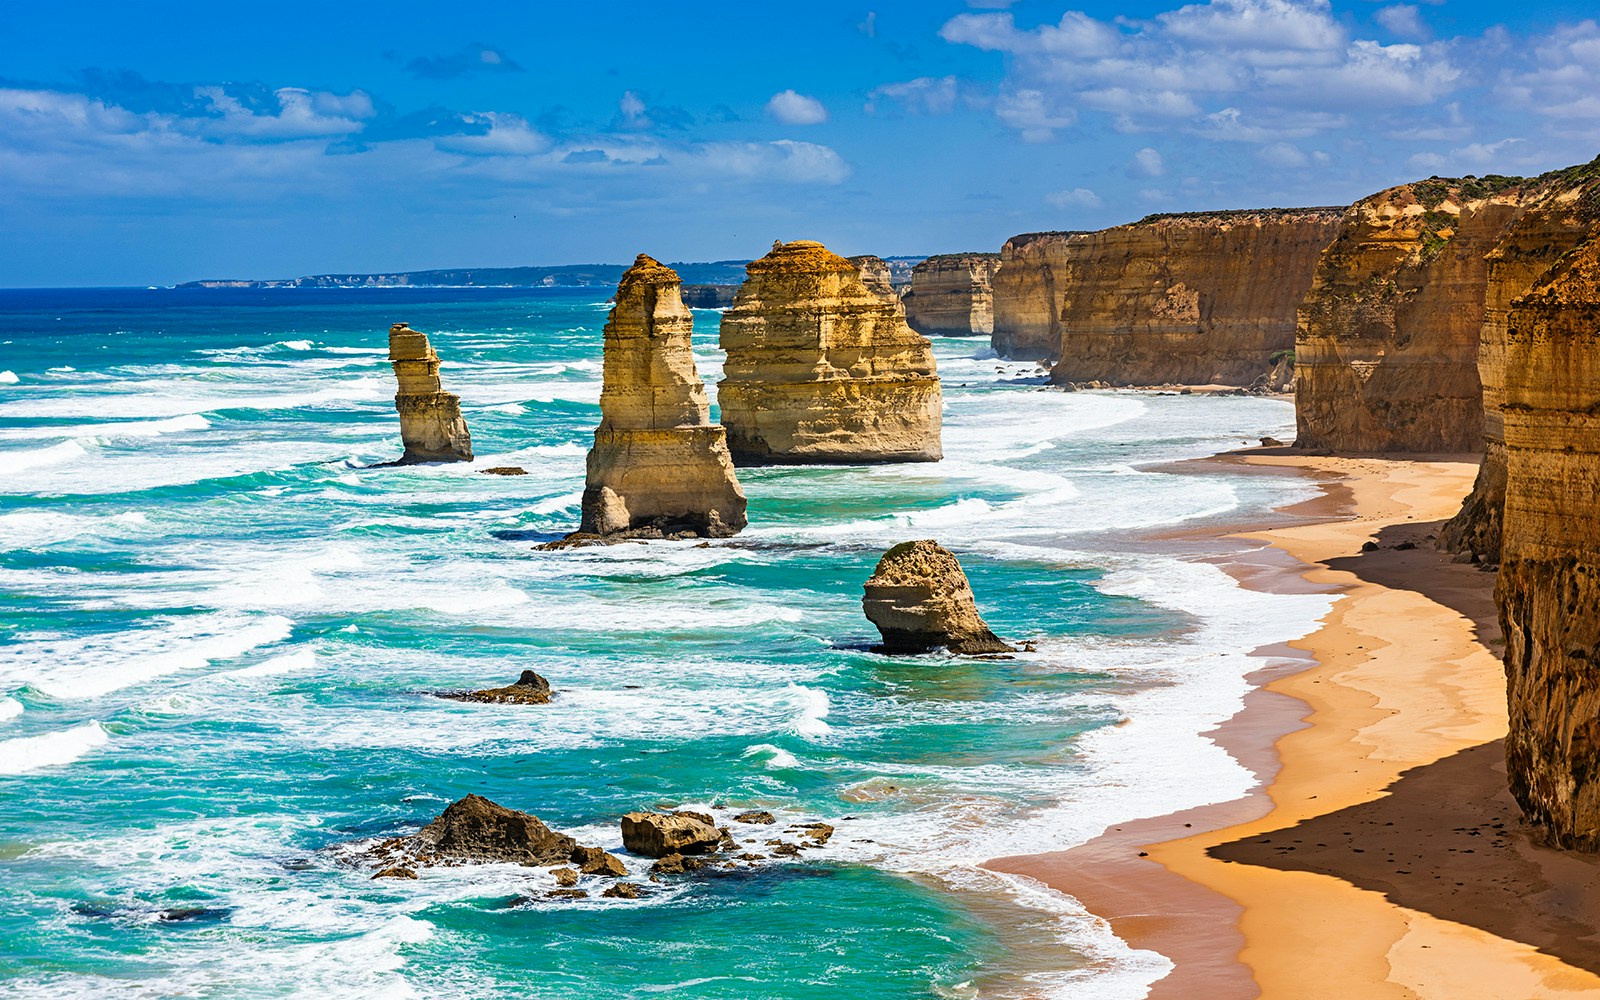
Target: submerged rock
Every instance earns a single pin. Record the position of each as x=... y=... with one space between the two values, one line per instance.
x=505 y=470
x=759 y=816
x=656 y=835
x=920 y=600
x=530 y=689
x=431 y=425
x=822 y=369
x=658 y=462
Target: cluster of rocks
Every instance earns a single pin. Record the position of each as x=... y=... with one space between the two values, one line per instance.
x=474 y=830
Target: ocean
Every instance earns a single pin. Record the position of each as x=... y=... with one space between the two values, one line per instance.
x=221 y=628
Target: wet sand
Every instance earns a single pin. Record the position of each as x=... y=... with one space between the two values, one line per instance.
x=1381 y=856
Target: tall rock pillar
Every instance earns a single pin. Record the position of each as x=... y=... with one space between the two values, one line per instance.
x=431 y=425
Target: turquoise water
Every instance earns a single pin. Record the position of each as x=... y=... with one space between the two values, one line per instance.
x=219 y=628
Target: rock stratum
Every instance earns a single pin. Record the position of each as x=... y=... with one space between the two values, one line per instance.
x=1546 y=347
x=1197 y=299
x=1386 y=355
x=952 y=295
x=822 y=369
x=657 y=462
x=920 y=600
x=431 y=426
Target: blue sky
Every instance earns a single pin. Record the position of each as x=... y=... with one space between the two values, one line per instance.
x=148 y=143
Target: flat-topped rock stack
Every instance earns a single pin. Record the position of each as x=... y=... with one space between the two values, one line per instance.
x=821 y=369
x=657 y=462
x=1386 y=354
x=952 y=295
x=431 y=426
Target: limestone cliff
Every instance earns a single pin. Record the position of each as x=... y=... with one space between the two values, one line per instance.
x=1386 y=355
x=431 y=426
x=952 y=295
x=1555 y=219
x=820 y=369
x=1027 y=295
x=875 y=275
x=920 y=600
x=1549 y=584
x=657 y=461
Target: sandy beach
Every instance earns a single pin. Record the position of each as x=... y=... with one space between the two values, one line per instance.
x=1381 y=855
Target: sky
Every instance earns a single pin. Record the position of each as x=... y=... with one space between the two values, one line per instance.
x=158 y=142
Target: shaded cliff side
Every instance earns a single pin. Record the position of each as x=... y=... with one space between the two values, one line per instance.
x=657 y=461
x=822 y=369
x=1549 y=584
x=1386 y=355
x=1027 y=295
x=952 y=295
x=1557 y=217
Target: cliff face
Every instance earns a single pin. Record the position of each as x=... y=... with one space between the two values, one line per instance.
x=1190 y=299
x=820 y=369
x=431 y=425
x=1549 y=584
x=1553 y=222
x=1386 y=355
x=657 y=459
x=1027 y=296
x=952 y=295
x=875 y=274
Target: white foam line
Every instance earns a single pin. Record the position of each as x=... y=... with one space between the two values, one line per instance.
x=30 y=753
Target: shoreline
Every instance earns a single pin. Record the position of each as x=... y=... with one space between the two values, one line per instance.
x=1399 y=679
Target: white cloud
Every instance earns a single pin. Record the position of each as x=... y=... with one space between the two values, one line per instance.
x=1284 y=155
x=926 y=94
x=1147 y=162
x=1032 y=113
x=1074 y=198
x=791 y=108
x=783 y=160
x=1403 y=19
x=633 y=110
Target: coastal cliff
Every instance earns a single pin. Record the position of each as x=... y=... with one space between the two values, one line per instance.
x=1027 y=299
x=657 y=461
x=821 y=369
x=1549 y=584
x=875 y=274
x=431 y=426
x=952 y=295
x=1386 y=355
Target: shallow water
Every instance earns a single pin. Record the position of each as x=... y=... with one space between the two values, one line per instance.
x=219 y=628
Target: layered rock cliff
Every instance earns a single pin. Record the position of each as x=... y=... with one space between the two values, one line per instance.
x=820 y=369
x=657 y=461
x=1549 y=583
x=952 y=295
x=431 y=426
x=1386 y=355
x=875 y=274
x=1027 y=295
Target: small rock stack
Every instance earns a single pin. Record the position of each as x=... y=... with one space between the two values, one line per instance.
x=431 y=425
x=920 y=600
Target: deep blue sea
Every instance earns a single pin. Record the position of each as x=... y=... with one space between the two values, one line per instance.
x=220 y=627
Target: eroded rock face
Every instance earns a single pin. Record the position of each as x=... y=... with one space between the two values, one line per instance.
x=875 y=274
x=431 y=425
x=1549 y=584
x=475 y=830
x=952 y=295
x=920 y=600
x=658 y=461
x=657 y=835
x=822 y=370
x=1386 y=355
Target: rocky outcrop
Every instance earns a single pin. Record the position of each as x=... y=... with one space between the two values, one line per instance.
x=529 y=689
x=1555 y=220
x=475 y=830
x=920 y=600
x=431 y=426
x=1386 y=355
x=657 y=462
x=1549 y=582
x=822 y=370
x=657 y=835
x=952 y=295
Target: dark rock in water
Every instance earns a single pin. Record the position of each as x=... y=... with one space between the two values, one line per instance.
x=1271 y=442
x=920 y=600
x=594 y=861
x=622 y=890
x=505 y=470
x=755 y=816
x=567 y=894
x=476 y=829
x=819 y=833
x=676 y=864
x=192 y=915
x=530 y=689
x=565 y=877
x=398 y=871
x=656 y=835
x=1369 y=546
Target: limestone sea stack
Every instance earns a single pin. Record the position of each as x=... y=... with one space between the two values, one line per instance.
x=920 y=600
x=952 y=295
x=1549 y=582
x=1386 y=354
x=875 y=274
x=431 y=426
x=657 y=461
x=821 y=369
